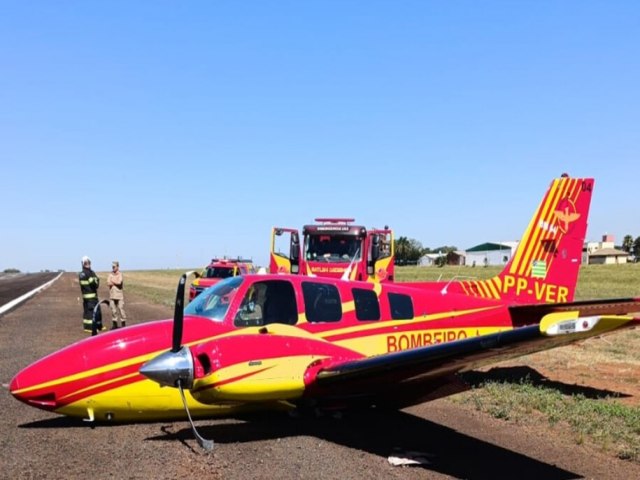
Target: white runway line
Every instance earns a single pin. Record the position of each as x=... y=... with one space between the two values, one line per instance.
x=13 y=303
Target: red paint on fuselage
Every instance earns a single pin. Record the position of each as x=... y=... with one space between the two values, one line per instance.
x=100 y=363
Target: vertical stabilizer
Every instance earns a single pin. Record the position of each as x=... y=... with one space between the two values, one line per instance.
x=544 y=267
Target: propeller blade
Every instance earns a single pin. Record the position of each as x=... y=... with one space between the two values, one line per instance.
x=203 y=442
x=178 y=314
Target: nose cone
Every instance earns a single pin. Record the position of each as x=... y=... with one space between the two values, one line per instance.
x=24 y=388
x=169 y=367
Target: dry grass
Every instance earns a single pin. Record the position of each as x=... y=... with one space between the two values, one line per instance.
x=157 y=286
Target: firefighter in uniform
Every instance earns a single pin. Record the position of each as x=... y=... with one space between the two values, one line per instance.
x=89 y=283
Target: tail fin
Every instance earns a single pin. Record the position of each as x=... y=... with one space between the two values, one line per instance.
x=545 y=265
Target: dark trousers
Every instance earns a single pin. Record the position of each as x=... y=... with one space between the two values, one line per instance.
x=87 y=316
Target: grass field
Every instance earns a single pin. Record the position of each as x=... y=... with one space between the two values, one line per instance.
x=612 y=426
x=595 y=281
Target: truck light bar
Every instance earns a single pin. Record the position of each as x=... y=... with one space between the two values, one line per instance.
x=335 y=220
x=232 y=260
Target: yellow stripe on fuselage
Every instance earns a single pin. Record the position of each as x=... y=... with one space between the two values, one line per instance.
x=390 y=342
x=393 y=323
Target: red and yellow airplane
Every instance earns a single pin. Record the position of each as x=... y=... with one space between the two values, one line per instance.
x=297 y=341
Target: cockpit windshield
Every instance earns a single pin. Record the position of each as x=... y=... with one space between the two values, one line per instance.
x=333 y=248
x=214 y=302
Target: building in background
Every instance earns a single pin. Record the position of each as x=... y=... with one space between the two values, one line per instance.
x=490 y=253
x=603 y=252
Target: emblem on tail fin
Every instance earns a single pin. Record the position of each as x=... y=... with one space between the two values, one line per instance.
x=566 y=214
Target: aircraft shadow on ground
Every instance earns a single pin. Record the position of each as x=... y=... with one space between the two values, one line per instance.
x=56 y=422
x=523 y=374
x=383 y=434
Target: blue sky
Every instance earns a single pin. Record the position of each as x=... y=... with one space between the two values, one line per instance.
x=162 y=133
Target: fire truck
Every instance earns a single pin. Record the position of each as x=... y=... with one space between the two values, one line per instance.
x=334 y=247
x=218 y=269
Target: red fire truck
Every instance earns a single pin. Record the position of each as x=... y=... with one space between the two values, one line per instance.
x=218 y=269
x=334 y=247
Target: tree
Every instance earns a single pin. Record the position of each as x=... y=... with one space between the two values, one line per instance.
x=627 y=243
x=401 y=249
x=408 y=251
x=636 y=248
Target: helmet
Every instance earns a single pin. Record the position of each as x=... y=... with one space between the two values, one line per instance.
x=85 y=260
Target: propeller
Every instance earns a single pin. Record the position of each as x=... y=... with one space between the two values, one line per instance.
x=175 y=367
x=178 y=314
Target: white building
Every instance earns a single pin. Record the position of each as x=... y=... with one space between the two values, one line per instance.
x=490 y=253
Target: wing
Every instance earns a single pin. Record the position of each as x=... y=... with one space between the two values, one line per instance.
x=425 y=373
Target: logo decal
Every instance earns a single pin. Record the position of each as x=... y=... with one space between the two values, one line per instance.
x=565 y=214
x=539 y=269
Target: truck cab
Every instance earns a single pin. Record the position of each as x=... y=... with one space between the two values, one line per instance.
x=219 y=269
x=334 y=247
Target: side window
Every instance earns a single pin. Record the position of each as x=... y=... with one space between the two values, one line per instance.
x=280 y=303
x=401 y=306
x=268 y=302
x=366 y=302
x=321 y=302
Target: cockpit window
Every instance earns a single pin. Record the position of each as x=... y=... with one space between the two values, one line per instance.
x=214 y=301
x=333 y=248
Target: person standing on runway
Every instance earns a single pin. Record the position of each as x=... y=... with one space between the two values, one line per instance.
x=89 y=283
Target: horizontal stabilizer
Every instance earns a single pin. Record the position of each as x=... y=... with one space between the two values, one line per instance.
x=563 y=323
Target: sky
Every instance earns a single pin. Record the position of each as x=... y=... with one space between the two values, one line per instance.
x=164 y=133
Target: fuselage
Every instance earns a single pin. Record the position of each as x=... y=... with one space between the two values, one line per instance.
x=255 y=340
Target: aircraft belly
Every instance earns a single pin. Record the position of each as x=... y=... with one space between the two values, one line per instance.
x=141 y=401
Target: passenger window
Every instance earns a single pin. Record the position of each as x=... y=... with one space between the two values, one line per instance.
x=280 y=303
x=366 y=302
x=268 y=302
x=401 y=306
x=322 y=302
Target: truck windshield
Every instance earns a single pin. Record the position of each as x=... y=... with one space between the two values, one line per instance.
x=333 y=248
x=214 y=302
x=218 y=272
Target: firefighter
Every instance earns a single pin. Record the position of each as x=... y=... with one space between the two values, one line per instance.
x=89 y=283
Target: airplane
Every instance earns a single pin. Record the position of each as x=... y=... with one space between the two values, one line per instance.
x=298 y=342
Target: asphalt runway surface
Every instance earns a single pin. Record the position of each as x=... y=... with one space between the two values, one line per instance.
x=454 y=440
x=13 y=285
